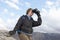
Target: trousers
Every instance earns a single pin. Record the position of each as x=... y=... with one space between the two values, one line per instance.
x=23 y=36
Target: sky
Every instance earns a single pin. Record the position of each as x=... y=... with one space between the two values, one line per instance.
x=12 y=10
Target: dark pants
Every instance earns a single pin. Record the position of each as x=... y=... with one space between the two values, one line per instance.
x=24 y=36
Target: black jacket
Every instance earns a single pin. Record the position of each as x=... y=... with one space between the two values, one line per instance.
x=25 y=25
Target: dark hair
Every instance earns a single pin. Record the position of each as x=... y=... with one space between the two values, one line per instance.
x=28 y=10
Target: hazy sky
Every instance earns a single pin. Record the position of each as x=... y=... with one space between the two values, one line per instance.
x=11 y=10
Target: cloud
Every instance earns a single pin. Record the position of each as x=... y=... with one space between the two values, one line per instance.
x=15 y=1
x=11 y=23
x=57 y=3
x=3 y=26
x=50 y=18
x=27 y=4
x=11 y=4
x=50 y=14
x=53 y=18
x=34 y=17
x=12 y=14
x=1 y=0
x=5 y=10
x=7 y=23
x=49 y=4
x=44 y=12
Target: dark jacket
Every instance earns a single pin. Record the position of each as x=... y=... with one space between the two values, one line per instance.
x=25 y=25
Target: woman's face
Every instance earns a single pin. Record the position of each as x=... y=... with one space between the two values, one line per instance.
x=30 y=13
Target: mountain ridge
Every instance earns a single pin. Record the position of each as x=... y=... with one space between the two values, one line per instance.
x=36 y=36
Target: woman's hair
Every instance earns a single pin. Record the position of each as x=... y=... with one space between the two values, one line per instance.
x=28 y=10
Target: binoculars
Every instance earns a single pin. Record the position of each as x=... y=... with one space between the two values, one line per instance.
x=35 y=10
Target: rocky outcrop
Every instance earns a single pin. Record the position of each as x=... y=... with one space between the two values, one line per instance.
x=36 y=36
x=3 y=36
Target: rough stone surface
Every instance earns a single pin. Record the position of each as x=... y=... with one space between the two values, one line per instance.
x=36 y=36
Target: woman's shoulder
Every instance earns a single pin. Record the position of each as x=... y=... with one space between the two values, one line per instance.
x=23 y=16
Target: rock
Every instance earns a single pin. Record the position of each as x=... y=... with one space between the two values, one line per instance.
x=3 y=36
x=36 y=36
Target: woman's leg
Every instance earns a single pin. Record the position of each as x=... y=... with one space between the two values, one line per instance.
x=23 y=37
x=30 y=37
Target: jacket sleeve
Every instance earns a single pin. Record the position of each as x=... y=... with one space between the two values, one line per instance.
x=19 y=23
x=37 y=23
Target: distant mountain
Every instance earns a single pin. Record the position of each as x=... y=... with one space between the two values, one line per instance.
x=36 y=36
x=46 y=36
